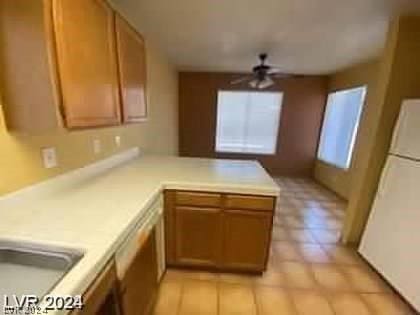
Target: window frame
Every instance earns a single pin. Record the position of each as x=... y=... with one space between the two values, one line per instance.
x=355 y=131
x=276 y=145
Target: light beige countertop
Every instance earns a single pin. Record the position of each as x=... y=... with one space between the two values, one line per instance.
x=95 y=208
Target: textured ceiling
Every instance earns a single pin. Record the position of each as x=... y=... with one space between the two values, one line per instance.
x=300 y=36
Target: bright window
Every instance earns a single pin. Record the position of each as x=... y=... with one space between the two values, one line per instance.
x=340 y=125
x=248 y=122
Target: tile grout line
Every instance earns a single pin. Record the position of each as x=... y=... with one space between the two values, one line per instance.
x=181 y=297
x=218 y=296
x=254 y=294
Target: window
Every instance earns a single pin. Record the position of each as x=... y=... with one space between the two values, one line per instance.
x=248 y=122
x=340 y=125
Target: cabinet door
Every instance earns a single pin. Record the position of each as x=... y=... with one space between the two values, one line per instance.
x=30 y=95
x=132 y=69
x=102 y=296
x=140 y=284
x=197 y=236
x=85 y=40
x=246 y=239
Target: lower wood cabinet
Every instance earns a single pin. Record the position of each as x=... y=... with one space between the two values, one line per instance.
x=135 y=294
x=197 y=236
x=246 y=239
x=140 y=283
x=102 y=297
x=218 y=231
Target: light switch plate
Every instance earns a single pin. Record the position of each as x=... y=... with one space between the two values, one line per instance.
x=49 y=157
x=118 y=141
x=97 y=146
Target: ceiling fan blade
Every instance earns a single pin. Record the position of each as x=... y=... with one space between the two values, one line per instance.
x=274 y=69
x=242 y=79
x=278 y=73
x=281 y=75
x=286 y=76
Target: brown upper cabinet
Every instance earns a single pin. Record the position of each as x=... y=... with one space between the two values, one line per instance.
x=60 y=66
x=87 y=63
x=29 y=89
x=132 y=71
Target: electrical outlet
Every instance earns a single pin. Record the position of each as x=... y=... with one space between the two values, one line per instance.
x=97 y=146
x=118 y=141
x=49 y=157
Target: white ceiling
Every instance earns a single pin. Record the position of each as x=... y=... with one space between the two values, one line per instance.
x=300 y=36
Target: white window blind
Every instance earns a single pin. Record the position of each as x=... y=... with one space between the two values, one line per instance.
x=248 y=122
x=340 y=126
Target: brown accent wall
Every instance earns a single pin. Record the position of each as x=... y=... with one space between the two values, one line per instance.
x=337 y=179
x=302 y=112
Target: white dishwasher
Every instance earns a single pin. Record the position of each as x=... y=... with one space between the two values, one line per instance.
x=152 y=219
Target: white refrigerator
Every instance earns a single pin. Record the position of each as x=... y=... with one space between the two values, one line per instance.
x=391 y=241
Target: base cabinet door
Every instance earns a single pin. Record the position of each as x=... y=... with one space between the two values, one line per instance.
x=102 y=296
x=140 y=284
x=110 y=305
x=246 y=239
x=197 y=236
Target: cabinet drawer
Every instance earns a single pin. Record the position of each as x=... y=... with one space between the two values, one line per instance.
x=184 y=198
x=249 y=202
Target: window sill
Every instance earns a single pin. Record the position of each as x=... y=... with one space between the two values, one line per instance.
x=329 y=164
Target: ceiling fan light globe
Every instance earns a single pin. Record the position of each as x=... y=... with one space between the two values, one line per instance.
x=267 y=82
x=254 y=84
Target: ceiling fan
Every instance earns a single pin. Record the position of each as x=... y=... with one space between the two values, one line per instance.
x=262 y=75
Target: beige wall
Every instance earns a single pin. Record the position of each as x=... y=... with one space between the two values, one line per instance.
x=336 y=179
x=398 y=78
x=20 y=163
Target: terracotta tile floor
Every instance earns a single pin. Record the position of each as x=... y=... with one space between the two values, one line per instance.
x=309 y=273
